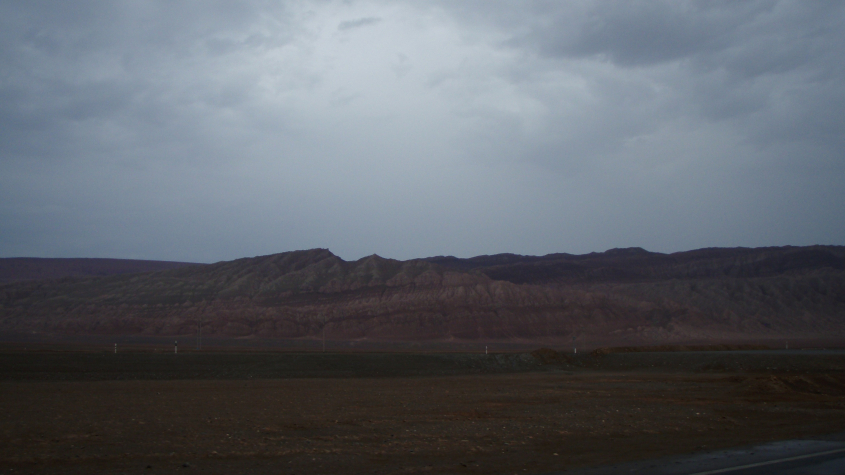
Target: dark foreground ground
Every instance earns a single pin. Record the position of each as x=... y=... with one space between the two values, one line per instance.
x=147 y=413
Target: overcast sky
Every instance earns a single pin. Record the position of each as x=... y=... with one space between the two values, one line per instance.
x=211 y=130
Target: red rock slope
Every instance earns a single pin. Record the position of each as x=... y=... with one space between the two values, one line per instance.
x=619 y=296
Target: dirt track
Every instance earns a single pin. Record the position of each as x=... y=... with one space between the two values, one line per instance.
x=549 y=418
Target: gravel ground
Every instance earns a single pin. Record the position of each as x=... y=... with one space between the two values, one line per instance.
x=505 y=414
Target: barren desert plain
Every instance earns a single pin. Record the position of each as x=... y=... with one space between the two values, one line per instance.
x=146 y=410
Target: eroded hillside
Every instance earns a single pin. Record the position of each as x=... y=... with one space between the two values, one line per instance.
x=624 y=295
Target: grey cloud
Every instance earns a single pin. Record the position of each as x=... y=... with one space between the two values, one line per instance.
x=351 y=24
x=763 y=63
x=644 y=33
x=70 y=65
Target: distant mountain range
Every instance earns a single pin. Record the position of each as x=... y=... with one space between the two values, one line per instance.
x=622 y=296
x=35 y=268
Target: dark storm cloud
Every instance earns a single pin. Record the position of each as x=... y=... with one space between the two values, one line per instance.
x=772 y=67
x=212 y=130
x=74 y=68
x=645 y=33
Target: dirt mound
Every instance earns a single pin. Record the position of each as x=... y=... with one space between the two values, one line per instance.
x=823 y=385
x=663 y=348
x=548 y=356
x=105 y=366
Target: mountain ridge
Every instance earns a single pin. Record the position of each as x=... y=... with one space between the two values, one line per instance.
x=626 y=295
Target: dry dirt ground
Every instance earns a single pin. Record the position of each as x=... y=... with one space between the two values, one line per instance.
x=545 y=419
